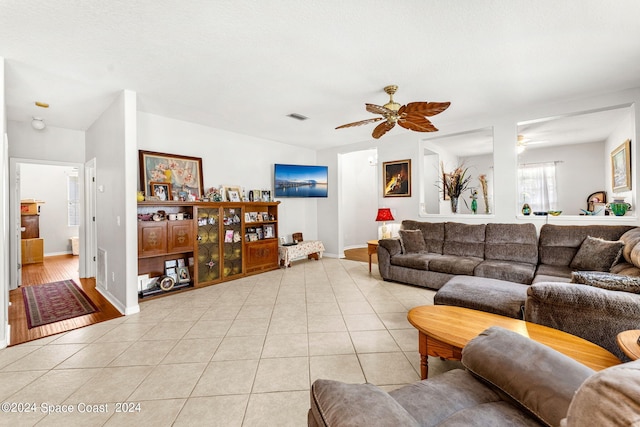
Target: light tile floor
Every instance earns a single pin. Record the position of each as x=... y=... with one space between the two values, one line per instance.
x=241 y=353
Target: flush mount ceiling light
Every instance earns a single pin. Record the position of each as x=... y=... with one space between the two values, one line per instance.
x=38 y=123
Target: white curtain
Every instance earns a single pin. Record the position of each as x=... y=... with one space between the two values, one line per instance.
x=537 y=186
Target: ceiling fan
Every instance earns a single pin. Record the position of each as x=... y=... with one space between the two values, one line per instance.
x=412 y=116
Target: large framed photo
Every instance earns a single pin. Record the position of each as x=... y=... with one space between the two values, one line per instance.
x=621 y=167
x=396 y=177
x=183 y=173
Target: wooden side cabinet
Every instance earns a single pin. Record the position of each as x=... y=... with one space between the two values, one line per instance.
x=262 y=255
x=32 y=251
x=180 y=236
x=152 y=238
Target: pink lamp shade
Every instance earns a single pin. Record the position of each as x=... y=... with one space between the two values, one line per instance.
x=384 y=214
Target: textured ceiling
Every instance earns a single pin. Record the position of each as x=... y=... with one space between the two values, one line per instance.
x=244 y=65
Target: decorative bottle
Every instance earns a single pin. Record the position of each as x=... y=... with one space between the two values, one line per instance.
x=526 y=209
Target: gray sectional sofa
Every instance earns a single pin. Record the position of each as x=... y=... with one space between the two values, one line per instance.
x=508 y=380
x=509 y=270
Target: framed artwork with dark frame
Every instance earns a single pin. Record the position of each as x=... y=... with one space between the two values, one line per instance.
x=621 y=167
x=183 y=173
x=396 y=178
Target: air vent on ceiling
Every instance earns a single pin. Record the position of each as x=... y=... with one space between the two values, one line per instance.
x=297 y=116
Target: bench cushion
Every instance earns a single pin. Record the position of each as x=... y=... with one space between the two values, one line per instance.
x=479 y=293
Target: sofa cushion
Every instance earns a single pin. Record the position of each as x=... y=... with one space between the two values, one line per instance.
x=450 y=264
x=552 y=273
x=457 y=398
x=465 y=240
x=488 y=295
x=518 y=272
x=612 y=282
x=433 y=233
x=335 y=403
x=558 y=244
x=609 y=397
x=511 y=242
x=412 y=241
x=545 y=387
x=631 y=239
x=597 y=254
x=415 y=261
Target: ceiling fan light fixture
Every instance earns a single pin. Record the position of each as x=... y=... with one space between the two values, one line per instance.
x=38 y=123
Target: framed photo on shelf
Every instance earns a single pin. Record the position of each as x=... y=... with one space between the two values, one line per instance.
x=226 y=192
x=260 y=233
x=178 y=171
x=396 y=177
x=266 y=195
x=183 y=275
x=171 y=263
x=160 y=190
x=269 y=231
x=621 y=167
x=228 y=236
x=234 y=196
x=172 y=272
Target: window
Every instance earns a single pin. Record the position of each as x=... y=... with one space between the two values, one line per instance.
x=537 y=186
x=73 y=199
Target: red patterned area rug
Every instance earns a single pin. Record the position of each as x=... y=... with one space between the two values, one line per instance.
x=53 y=302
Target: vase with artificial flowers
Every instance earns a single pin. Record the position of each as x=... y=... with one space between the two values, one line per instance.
x=454 y=183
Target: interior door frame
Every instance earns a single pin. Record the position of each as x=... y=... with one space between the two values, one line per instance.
x=14 y=215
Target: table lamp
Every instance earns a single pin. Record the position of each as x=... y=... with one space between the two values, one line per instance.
x=384 y=215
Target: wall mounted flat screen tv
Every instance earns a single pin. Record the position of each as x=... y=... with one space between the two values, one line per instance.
x=300 y=181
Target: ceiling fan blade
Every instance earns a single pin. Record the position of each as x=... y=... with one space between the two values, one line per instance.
x=377 y=109
x=361 y=122
x=382 y=128
x=426 y=108
x=417 y=123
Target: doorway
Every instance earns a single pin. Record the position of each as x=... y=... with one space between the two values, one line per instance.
x=57 y=188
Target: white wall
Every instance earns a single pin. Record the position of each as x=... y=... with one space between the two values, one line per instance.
x=107 y=143
x=48 y=183
x=4 y=217
x=615 y=139
x=234 y=159
x=358 y=190
x=51 y=143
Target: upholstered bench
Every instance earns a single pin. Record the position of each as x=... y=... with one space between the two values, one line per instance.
x=480 y=293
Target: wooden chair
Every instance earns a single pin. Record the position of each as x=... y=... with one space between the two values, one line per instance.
x=297 y=237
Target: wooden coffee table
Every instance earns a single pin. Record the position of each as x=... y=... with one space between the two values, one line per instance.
x=629 y=343
x=445 y=330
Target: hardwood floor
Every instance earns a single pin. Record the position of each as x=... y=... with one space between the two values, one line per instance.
x=53 y=269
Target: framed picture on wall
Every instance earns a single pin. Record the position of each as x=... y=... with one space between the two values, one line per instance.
x=181 y=172
x=396 y=177
x=621 y=167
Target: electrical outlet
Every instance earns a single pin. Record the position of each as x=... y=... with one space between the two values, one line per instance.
x=113 y=276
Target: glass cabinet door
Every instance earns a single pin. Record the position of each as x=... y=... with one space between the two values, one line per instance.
x=208 y=245
x=232 y=246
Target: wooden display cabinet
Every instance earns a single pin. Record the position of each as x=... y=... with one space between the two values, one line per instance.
x=216 y=238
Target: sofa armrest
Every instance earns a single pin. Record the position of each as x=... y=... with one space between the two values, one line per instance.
x=334 y=403
x=595 y=314
x=386 y=249
x=539 y=378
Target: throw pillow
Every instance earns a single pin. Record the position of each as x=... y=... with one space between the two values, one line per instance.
x=612 y=282
x=597 y=254
x=412 y=241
